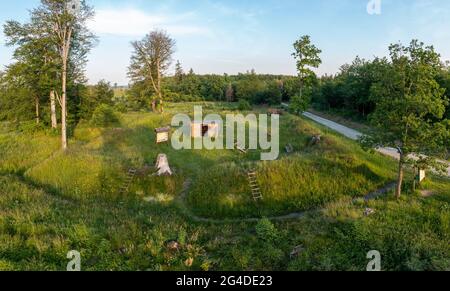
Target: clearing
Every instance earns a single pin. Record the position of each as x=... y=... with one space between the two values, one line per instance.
x=53 y=202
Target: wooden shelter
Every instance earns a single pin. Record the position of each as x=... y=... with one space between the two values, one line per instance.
x=205 y=129
x=162 y=134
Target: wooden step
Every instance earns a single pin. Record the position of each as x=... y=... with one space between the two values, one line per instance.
x=254 y=185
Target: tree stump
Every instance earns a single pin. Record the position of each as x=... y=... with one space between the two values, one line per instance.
x=162 y=165
x=289 y=149
x=173 y=246
x=296 y=252
x=369 y=211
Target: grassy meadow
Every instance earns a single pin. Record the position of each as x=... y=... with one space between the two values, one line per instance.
x=53 y=202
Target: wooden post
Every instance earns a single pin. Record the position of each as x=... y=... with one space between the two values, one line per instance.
x=422 y=175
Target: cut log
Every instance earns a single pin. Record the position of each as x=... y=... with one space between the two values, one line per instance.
x=162 y=165
x=369 y=211
x=173 y=246
x=315 y=140
x=289 y=149
x=296 y=252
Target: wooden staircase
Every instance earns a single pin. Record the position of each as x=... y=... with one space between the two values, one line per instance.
x=254 y=186
x=128 y=181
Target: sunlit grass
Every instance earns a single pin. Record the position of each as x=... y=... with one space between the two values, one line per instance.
x=52 y=202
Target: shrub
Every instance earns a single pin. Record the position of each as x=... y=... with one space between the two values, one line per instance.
x=30 y=127
x=244 y=105
x=104 y=116
x=299 y=104
x=266 y=230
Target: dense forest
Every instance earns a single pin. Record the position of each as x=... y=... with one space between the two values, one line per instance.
x=351 y=92
x=347 y=93
x=249 y=86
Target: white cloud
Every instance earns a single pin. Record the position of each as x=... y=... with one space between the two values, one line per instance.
x=133 y=22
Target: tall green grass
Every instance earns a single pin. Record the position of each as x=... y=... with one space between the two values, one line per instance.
x=20 y=151
x=314 y=175
x=52 y=202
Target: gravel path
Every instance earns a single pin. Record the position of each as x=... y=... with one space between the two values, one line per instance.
x=355 y=135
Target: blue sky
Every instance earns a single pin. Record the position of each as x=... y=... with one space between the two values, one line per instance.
x=230 y=36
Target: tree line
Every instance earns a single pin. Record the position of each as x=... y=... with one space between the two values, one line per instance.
x=249 y=86
x=352 y=91
x=152 y=56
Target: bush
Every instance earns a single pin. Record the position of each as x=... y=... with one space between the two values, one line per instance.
x=30 y=127
x=244 y=105
x=299 y=104
x=266 y=230
x=104 y=116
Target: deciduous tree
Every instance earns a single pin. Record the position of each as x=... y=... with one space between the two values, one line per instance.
x=151 y=59
x=410 y=108
x=307 y=56
x=59 y=26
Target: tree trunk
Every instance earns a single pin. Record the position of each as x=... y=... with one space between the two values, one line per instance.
x=53 y=109
x=36 y=99
x=64 y=107
x=301 y=87
x=398 y=191
x=158 y=68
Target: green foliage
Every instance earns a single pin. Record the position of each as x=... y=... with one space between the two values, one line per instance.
x=273 y=94
x=299 y=104
x=350 y=90
x=105 y=116
x=410 y=103
x=307 y=56
x=291 y=87
x=409 y=235
x=256 y=89
x=266 y=231
x=20 y=151
x=38 y=59
x=349 y=93
x=314 y=176
x=150 y=60
x=244 y=105
x=94 y=96
x=444 y=81
x=212 y=88
x=47 y=205
x=250 y=89
x=16 y=104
